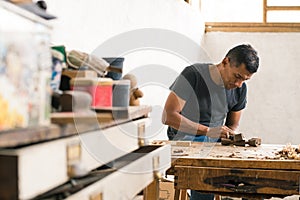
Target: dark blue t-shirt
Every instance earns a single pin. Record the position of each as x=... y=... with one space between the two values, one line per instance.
x=206 y=102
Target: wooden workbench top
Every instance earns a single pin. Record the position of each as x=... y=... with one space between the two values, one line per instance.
x=216 y=155
x=251 y=172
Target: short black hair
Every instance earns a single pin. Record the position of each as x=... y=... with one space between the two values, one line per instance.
x=246 y=54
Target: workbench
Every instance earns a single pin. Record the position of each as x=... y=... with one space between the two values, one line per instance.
x=253 y=172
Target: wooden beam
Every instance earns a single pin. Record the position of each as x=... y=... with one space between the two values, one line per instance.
x=251 y=27
x=283 y=8
x=265 y=11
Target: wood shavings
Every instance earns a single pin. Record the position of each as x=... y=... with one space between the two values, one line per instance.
x=232 y=155
x=288 y=152
x=178 y=151
x=159 y=142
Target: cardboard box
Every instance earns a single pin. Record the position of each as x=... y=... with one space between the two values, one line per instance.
x=166 y=190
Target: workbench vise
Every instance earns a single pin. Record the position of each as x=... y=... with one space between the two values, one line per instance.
x=239 y=140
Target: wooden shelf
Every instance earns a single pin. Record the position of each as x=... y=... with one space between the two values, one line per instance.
x=67 y=125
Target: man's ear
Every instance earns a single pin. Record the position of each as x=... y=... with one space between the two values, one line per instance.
x=225 y=61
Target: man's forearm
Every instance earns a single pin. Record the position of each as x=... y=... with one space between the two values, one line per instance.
x=183 y=124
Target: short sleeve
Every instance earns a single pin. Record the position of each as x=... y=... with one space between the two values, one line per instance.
x=242 y=98
x=184 y=83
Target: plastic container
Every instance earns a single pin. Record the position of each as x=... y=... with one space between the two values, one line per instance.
x=100 y=89
x=116 y=62
x=121 y=90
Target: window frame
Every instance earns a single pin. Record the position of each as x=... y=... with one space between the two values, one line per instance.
x=263 y=26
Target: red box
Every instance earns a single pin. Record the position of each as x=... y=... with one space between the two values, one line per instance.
x=100 y=89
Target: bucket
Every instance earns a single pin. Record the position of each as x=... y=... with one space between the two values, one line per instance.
x=103 y=94
x=114 y=62
x=121 y=89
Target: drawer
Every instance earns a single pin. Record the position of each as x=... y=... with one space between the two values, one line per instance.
x=124 y=179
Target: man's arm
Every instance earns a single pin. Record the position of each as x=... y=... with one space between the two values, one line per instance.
x=233 y=119
x=172 y=117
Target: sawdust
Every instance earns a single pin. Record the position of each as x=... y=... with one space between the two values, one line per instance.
x=288 y=152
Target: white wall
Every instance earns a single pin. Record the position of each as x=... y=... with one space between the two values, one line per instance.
x=111 y=28
x=85 y=24
x=272 y=111
x=274 y=92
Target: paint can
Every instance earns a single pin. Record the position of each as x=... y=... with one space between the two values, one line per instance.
x=121 y=90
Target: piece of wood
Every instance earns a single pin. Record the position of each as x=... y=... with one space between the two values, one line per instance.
x=180 y=194
x=102 y=118
x=117 y=112
x=251 y=27
x=79 y=73
x=23 y=136
x=89 y=117
x=152 y=190
x=177 y=194
x=183 y=194
x=66 y=127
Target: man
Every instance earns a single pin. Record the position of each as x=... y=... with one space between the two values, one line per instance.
x=206 y=100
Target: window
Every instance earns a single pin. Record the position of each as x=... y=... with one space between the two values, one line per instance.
x=250 y=15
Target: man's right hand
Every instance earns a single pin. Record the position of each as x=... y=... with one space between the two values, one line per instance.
x=220 y=132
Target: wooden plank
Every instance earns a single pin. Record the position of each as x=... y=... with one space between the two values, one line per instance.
x=90 y=117
x=103 y=118
x=79 y=73
x=251 y=27
x=17 y=137
x=235 y=180
x=250 y=164
x=66 y=127
x=283 y=8
x=28 y=136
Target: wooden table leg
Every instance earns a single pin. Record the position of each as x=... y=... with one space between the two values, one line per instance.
x=183 y=194
x=180 y=194
x=177 y=194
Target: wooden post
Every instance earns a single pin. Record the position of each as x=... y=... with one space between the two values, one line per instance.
x=151 y=192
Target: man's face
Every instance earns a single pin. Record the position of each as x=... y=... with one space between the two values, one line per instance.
x=235 y=76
